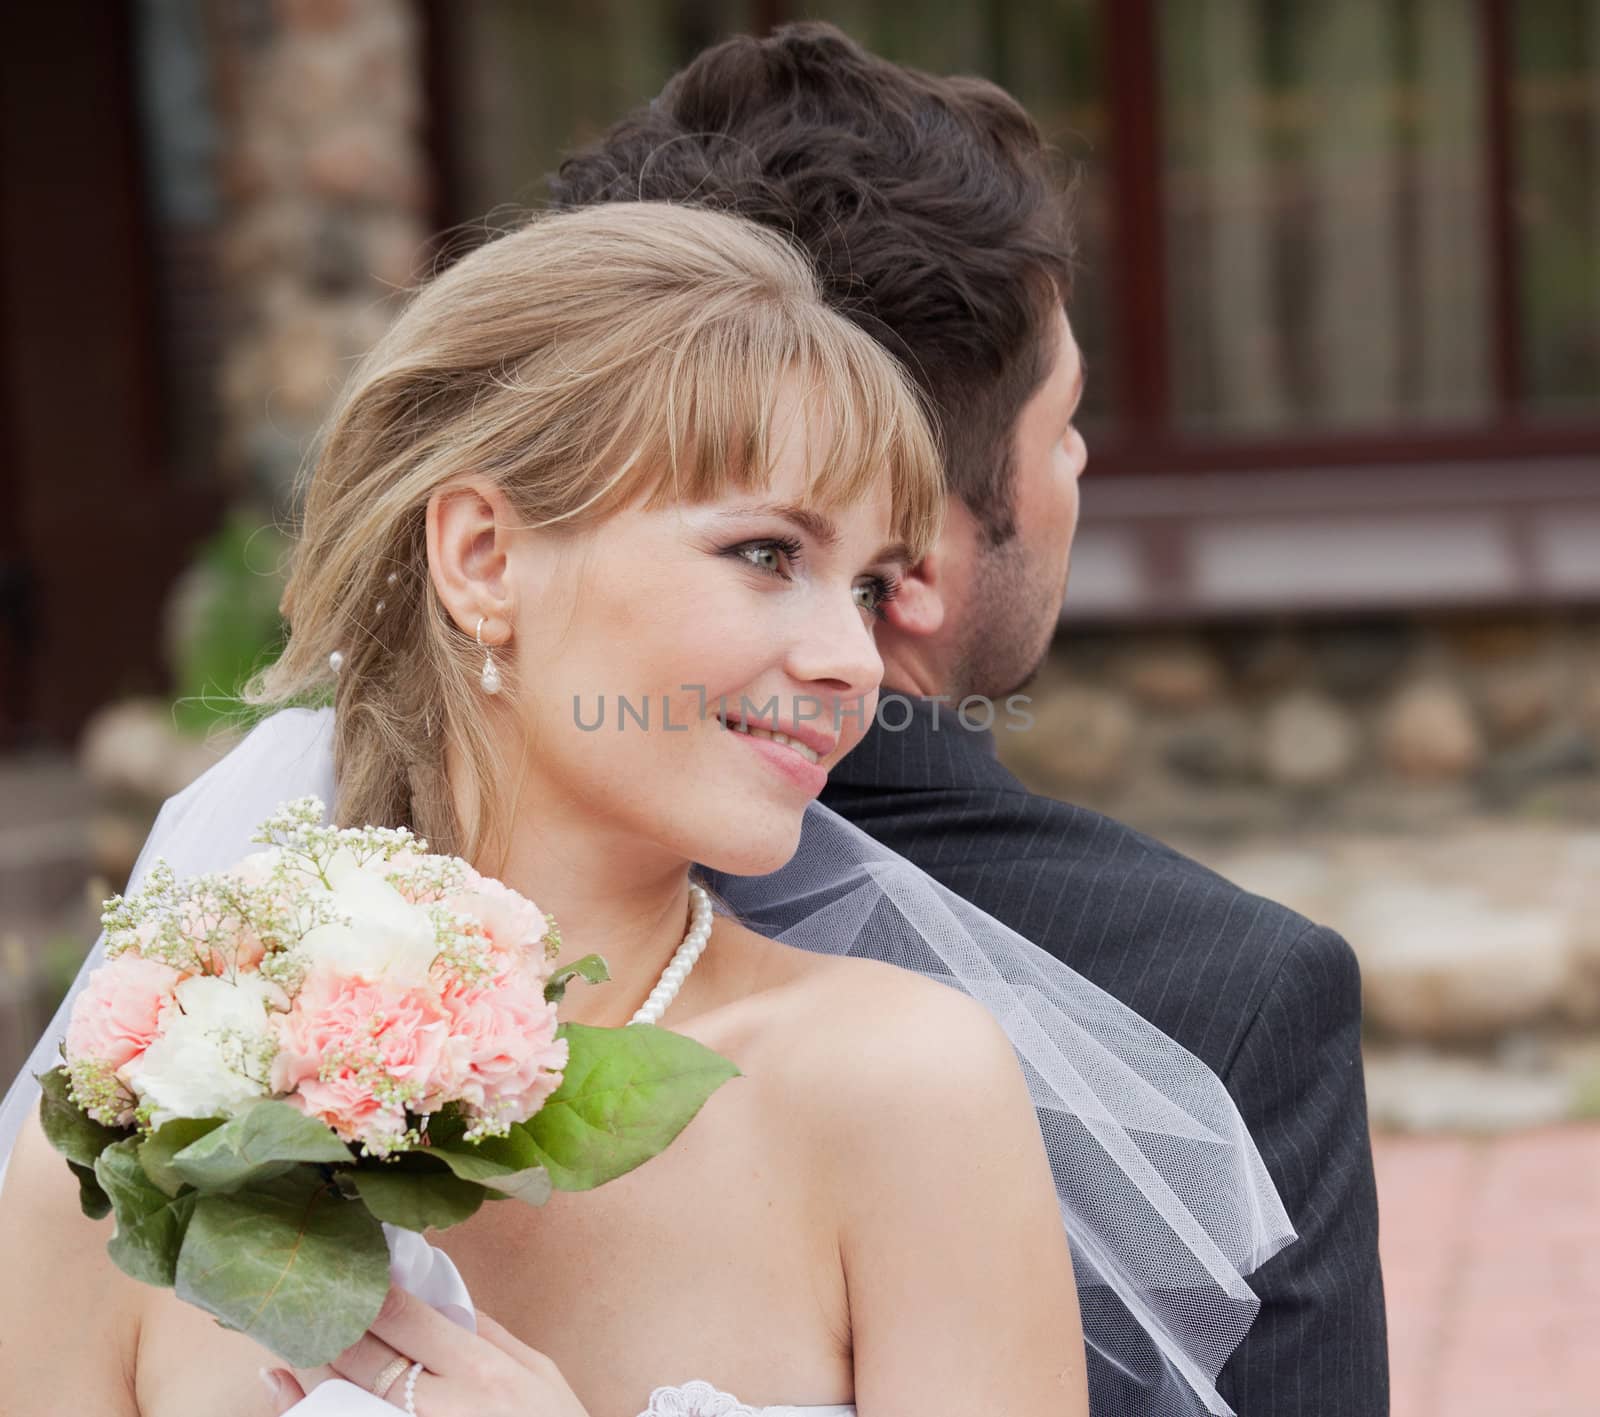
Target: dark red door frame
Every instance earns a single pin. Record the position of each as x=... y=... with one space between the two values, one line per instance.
x=1143 y=440
x=1137 y=248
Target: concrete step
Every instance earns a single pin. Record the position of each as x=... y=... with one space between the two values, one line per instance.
x=46 y=851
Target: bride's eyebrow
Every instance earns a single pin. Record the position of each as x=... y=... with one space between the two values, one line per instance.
x=819 y=527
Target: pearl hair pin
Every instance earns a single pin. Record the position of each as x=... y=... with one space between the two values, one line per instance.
x=683 y=959
x=336 y=658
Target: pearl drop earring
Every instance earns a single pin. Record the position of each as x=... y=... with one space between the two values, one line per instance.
x=490 y=678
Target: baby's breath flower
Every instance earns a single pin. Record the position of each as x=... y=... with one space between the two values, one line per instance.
x=484 y=1126
x=466 y=955
x=297 y=826
x=286 y=969
x=96 y=1089
x=129 y=920
x=249 y=1054
x=425 y=879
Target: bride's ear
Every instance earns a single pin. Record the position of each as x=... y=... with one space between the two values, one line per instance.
x=469 y=546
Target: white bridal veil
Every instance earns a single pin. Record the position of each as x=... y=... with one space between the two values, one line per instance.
x=1164 y=1197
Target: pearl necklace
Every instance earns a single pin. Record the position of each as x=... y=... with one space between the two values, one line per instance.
x=683 y=959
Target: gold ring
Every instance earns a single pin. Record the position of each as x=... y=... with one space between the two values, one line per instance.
x=389 y=1375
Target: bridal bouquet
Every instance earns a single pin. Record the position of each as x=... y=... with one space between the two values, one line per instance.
x=341 y=1030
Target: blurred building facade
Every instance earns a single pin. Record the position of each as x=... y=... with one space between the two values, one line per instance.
x=1340 y=301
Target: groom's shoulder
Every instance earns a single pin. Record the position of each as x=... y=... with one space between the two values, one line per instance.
x=1004 y=835
x=1204 y=958
x=1194 y=952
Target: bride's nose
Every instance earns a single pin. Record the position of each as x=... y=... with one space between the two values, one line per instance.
x=835 y=648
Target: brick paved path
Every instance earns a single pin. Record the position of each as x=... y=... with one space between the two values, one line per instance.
x=1491 y=1258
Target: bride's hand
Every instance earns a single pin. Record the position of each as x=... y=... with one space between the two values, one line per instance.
x=486 y=1374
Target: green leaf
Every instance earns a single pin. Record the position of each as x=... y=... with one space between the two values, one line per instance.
x=510 y=1165
x=67 y=1127
x=289 y=1262
x=625 y=1096
x=231 y=627
x=155 y=1156
x=96 y=1203
x=255 y=1146
x=416 y=1200
x=591 y=968
x=150 y=1223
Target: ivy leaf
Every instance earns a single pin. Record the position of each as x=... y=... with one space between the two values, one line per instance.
x=289 y=1262
x=155 y=1156
x=67 y=1127
x=415 y=1200
x=95 y=1203
x=510 y=1165
x=591 y=968
x=150 y=1223
x=258 y=1144
x=624 y=1097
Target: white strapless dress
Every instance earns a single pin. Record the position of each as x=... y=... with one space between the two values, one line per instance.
x=696 y=1399
x=700 y=1399
x=429 y=1274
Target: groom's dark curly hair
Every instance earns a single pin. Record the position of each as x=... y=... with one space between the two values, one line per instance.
x=931 y=208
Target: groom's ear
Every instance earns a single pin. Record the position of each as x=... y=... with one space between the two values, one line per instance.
x=918 y=608
x=469 y=528
x=932 y=591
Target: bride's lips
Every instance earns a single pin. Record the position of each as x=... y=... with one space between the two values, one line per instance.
x=808 y=776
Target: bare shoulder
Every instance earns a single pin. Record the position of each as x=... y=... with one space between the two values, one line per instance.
x=862 y=1054
x=73 y=1290
x=892 y=1045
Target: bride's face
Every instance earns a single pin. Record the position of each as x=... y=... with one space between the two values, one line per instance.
x=636 y=643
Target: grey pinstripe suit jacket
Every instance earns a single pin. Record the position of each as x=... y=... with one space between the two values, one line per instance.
x=1269 y=1000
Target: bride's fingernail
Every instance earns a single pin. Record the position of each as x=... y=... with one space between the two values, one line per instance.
x=271 y=1381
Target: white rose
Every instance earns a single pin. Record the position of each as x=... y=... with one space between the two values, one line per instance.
x=201 y=1064
x=387 y=936
x=214 y=1003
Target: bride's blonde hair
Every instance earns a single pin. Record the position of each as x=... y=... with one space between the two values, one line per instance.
x=631 y=351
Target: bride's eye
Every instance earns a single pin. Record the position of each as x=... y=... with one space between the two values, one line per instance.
x=769 y=554
x=876 y=592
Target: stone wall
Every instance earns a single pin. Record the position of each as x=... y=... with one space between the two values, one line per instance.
x=327 y=210
x=1428 y=787
x=1391 y=719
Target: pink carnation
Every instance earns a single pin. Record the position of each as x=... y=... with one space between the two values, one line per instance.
x=118 y=1014
x=504 y=1040
x=513 y=924
x=357 y=1052
x=348 y=1102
